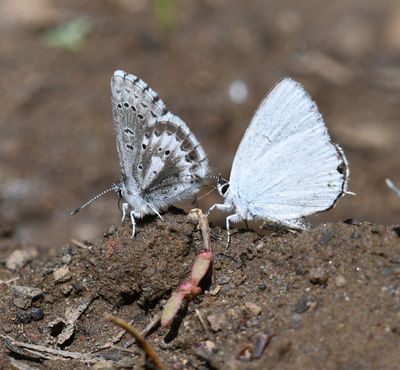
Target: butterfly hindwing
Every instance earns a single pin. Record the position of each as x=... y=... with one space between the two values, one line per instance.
x=171 y=164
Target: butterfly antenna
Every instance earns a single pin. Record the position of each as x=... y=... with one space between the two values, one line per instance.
x=219 y=177
x=114 y=187
x=205 y=194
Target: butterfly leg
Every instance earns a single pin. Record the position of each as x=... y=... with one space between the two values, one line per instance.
x=124 y=209
x=154 y=209
x=132 y=213
x=234 y=219
x=221 y=207
x=393 y=187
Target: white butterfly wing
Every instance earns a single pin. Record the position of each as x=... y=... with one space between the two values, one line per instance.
x=286 y=167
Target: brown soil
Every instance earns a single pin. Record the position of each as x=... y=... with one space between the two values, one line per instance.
x=329 y=297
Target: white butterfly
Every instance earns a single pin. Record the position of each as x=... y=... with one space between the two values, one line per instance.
x=286 y=166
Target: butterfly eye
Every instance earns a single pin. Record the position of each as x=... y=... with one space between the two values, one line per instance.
x=140 y=167
x=119 y=105
x=140 y=116
x=167 y=152
x=224 y=188
x=144 y=146
x=159 y=149
x=126 y=105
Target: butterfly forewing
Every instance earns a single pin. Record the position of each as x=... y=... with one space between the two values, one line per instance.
x=286 y=167
x=134 y=107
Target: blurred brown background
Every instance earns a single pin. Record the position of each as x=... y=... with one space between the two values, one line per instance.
x=211 y=61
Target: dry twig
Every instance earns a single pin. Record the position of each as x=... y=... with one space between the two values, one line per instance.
x=48 y=353
x=140 y=340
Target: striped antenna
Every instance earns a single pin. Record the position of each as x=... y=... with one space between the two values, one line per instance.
x=115 y=187
x=218 y=178
x=208 y=192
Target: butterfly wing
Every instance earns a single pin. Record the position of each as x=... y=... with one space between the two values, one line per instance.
x=134 y=105
x=159 y=156
x=286 y=167
x=172 y=165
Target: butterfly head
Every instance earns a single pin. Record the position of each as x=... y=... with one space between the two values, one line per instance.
x=222 y=186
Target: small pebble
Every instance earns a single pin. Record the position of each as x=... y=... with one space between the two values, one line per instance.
x=318 y=275
x=245 y=353
x=23 y=295
x=224 y=279
x=67 y=258
x=216 y=290
x=23 y=317
x=304 y=304
x=262 y=286
x=210 y=346
x=340 y=281
x=253 y=308
x=66 y=289
x=48 y=298
x=19 y=258
x=62 y=275
x=67 y=252
x=37 y=314
x=216 y=321
x=78 y=288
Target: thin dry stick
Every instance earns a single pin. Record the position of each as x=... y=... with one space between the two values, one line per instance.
x=114 y=340
x=152 y=324
x=149 y=327
x=201 y=319
x=78 y=244
x=205 y=230
x=50 y=353
x=140 y=340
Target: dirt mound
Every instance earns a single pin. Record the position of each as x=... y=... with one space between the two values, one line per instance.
x=325 y=298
